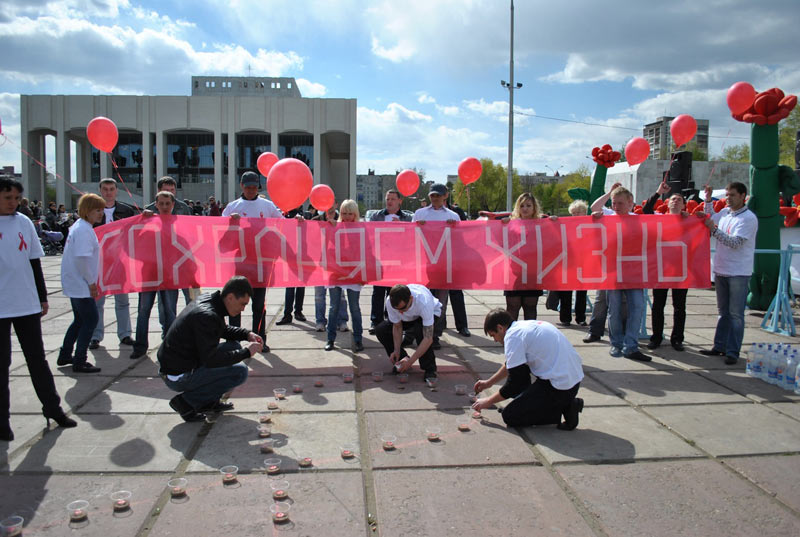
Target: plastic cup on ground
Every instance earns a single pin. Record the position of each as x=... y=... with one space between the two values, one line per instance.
x=280 y=490
x=377 y=376
x=461 y=389
x=280 y=512
x=12 y=526
x=388 y=442
x=78 y=510
x=267 y=446
x=432 y=432
x=305 y=462
x=279 y=393
x=402 y=378
x=297 y=388
x=347 y=377
x=177 y=487
x=348 y=451
x=264 y=416
x=464 y=423
x=264 y=430
x=230 y=474
x=273 y=466
x=121 y=500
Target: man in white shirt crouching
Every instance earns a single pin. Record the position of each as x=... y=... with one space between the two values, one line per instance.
x=533 y=348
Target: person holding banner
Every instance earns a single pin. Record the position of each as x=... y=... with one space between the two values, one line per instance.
x=564 y=298
x=525 y=208
x=251 y=205
x=540 y=349
x=735 y=229
x=79 y=270
x=193 y=361
x=113 y=210
x=321 y=322
x=414 y=309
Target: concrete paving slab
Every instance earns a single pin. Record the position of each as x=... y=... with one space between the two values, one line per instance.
x=666 y=387
x=74 y=392
x=488 y=442
x=114 y=443
x=485 y=360
x=389 y=394
x=132 y=395
x=596 y=356
x=755 y=389
x=322 y=503
x=608 y=435
x=335 y=395
x=731 y=429
x=776 y=473
x=300 y=362
x=667 y=498
x=25 y=428
x=595 y=394
x=412 y=502
x=42 y=500
x=790 y=409
x=234 y=440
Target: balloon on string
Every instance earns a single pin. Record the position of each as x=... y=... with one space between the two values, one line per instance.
x=322 y=197
x=289 y=183
x=102 y=134
x=636 y=151
x=407 y=182
x=265 y=162
x=470 y=170
x=740 y=97
x=682 y=128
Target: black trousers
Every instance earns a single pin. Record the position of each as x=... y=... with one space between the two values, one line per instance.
x=29 y=334
x=258 y=298
x=565 y=306
x=378 y=310
x=678 y=316
x=539 y=404
x=459 y=308
x=294 y=297
x=427 y=362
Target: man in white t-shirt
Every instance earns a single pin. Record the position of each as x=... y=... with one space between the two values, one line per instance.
x=413 y=309
x=251 y=205
x=540 y=349
x=437 y=211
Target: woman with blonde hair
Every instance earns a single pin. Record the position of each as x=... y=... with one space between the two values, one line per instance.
x=526 y=208
x=348 y=212
x=79 y=270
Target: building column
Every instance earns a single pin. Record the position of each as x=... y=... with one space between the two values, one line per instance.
x=62 y=166
x=147 y=166
x=105 y=165
x=83 y=165
x=318 y=158
x=219 y=161
x=233 y=161
x=351 y=160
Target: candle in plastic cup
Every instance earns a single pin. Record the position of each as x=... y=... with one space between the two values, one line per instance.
x=280 y=393
x=264 y=430
x=273 y=466
x=433 y=433
x=348 y=451
x=264 y=416
x=388 y=441
x=464 y=423
x=177 y=487
x=266 y=446
x=280 y=489
x=12 y=526
x=297 y=388
x=229 y=474
x=377 y=376
x=280 y=512
x=272 y=405
x=473 y=397
x=306 y=462
x=477 y=415
x=121 y=500
x=402 y=378
x=461 y=389
x=78 y=510
x=319 y=383
x=347 y=377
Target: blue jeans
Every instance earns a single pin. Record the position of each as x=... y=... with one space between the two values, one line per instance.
x=597 y=324
x=121 y=308
x=206 y=385
x=84 y=311
x=167 y=308
x=624 y=332
x=319 y=307
x=731 y=301
x=355 y=313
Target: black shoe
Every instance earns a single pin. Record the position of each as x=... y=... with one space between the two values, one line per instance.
x=638 y=356
x=265 y=349
x=6 y=434
x=711 y=352
x=64 y=360
x=678 y=346
x=429 y=375
x=372 y=329
x=465 y=332
x=300 y=317
x=135 y=355
x=94 y=344
x=436 y=345
x=731 y=360
x=653 y=345
x=571 y=415
x=329 y=346
x=286 y=319
x=591 y=338
x=216 y=406
x=186 y=411
x=61 y=419
x=359 y=347
x=127 y=341
x=85 y=367
x=562 y=323
x=583 y=323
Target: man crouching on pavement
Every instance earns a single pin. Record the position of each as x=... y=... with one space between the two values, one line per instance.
x=192 y=359
x=538 y=348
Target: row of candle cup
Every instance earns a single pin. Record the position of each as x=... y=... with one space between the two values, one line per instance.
x=377 y=376
x=280 y=488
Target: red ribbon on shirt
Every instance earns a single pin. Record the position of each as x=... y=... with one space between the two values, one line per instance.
x=22 y=243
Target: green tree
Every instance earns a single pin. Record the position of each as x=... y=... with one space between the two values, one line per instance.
x=736 y=153
x=488 y=193
x=787 y=138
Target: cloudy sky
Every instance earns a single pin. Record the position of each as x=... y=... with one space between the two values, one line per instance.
x=426 y=73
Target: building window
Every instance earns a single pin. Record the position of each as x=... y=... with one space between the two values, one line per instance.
x=245 y=83
x=278 y=85
x=196 y=84
x=288 y=85
x=208 y=84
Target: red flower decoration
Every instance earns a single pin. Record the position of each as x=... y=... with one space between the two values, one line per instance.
x=792 y=214
x=605 y=156
x=768 y=108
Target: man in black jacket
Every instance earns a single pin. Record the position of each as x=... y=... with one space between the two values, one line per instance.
x=192 y=359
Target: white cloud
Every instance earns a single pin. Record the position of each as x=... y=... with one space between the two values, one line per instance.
x=9 y=116
x=498 y=110
x=401 y=51
x=448 y=110
x=311 y=89
x=424 y=98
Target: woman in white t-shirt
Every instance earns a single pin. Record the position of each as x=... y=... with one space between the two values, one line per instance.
x=24 y=303
x=79 y=270
x=348 y=212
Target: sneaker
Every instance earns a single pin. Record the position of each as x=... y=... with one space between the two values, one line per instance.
x=343 y=327
x=300 y=317
x=571 y=415
x=85 y=367
x=583 y=323
x=64 y=360
x=185 y=410
x=372 y=329
x=127 y=341
x=430 y=375
x=591 y=338
x=329 y=346
x=286 y=319
x=94 y=344
x=653 y=345
x=616 y=352
x=216 y=406
x=711 y=352
x=320 y=327
x=638 y=356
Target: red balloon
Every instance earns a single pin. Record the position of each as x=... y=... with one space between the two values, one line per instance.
x=102 y=133
x=637 y=151
x=289 y=183
x=408 y=182
x=682 y=128
x=265 y=162
x=740 y=97
x=470 y=170
x=322 y=197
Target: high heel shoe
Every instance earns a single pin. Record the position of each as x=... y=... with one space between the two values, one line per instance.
x=62 y=420
x=6 y=434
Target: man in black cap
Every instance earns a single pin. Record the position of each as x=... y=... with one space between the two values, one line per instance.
x=251 y=205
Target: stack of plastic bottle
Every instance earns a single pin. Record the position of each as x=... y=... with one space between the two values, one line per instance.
x=777 y=364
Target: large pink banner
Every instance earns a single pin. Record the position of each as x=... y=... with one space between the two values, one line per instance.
x=173 y=252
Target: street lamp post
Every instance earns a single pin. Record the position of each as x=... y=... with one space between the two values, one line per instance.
x=511 y=87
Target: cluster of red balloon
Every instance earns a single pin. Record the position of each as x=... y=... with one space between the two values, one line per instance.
x=765 y=108
x=606 y=156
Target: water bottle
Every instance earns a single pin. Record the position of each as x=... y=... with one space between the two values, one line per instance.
x=789 y=372
x=751 y=359
x=797 y=379
x=759 y=367
x=772 y=365
x=780 y=367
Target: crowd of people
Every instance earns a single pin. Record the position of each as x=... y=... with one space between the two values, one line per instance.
x=196 y=364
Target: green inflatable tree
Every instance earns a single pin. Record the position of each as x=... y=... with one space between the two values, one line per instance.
x=605 y=157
